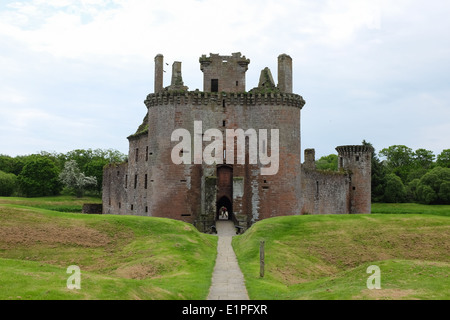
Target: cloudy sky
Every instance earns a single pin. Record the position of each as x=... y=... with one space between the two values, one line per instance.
x=74 y=73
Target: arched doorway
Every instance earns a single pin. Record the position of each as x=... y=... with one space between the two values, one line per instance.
x=224 y=202
x=224 y=194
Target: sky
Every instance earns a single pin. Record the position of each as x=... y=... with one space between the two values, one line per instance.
x=74 y=74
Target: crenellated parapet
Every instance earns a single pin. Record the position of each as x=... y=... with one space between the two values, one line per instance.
x=223 y=98
x=350 y=149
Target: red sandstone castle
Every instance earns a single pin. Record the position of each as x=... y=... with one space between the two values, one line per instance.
x=151 y=184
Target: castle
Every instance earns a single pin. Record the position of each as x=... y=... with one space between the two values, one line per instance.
x=151 y=183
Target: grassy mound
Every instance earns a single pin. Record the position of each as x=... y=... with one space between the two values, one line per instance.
x=56 y=203
x=120 y=257
x=326 y=256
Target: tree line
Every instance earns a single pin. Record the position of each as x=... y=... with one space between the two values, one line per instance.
x=400 y=174
x=47 y=174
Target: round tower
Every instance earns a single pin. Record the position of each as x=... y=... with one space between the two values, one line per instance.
x=357 y=160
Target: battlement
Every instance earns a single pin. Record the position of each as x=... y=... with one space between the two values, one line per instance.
x=350 y=149
x=223 y=98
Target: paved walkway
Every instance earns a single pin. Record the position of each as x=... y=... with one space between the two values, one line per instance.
x=227 y=281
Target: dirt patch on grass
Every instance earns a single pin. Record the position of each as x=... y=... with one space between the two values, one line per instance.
x=11 y=236
x=359 y=247
x=386 y=294
x=138 y=271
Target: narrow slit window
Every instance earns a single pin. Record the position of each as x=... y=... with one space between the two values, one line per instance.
x=317 y=188
x=137 y=154
x=135 y=180
x=224 y=123
x=126 y=181
x=132 y=207
x=145 y=182
x=357 y=158
x=146 y=153
x=237 y=83
x=146 y=209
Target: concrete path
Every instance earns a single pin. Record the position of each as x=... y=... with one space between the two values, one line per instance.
x=227 y=280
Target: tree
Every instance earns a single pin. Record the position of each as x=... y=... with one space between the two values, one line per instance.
x=8 y=184
x=443 y=159
x=395 y=190
x=378 y=183
x=95 y=169
x=434 y=186
x=423 y=158
x=397 y=156
x=444 y=192
x=39 y=177
x=74 y=179
x=399 y=160
x=426 y=194
x=411 y=190
x=329 y=162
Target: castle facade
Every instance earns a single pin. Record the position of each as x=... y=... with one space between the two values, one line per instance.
x=179 y=167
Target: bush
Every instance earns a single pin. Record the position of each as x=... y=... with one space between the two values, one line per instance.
x=8 y=184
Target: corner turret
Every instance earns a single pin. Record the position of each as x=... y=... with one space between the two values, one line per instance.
x=358 y=161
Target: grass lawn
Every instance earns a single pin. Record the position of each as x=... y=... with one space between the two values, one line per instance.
x=441 y=210
x=307 y=257
x=55 y=203
x=326 y=256
x=120 y=257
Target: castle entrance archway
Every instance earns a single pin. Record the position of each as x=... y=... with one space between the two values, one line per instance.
x=223 y=202
x=224 y=191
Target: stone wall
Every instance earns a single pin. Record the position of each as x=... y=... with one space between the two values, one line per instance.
x=324 y=192
x=358 y=161
x=137 y=177
x=114 y=195
x=92 y=208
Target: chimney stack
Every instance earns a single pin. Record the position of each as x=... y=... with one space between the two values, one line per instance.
x=285 y=73
x=159 y=71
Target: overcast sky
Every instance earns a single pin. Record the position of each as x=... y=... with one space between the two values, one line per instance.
x=74 y=74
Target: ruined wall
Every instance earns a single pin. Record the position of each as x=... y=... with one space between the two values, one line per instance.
x=114 y=197
x=137 y=177
x=344 y=191
x=324 y=192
